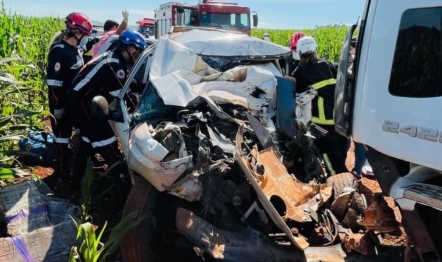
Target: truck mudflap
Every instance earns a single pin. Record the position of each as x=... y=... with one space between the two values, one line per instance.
x=247 y=244
x=282 y=195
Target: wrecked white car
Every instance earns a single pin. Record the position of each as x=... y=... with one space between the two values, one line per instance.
x=222 y=161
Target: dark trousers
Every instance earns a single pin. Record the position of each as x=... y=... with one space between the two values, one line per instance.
x=110 y=153
x=62 y=129
x=96 y=134
x=333 y=148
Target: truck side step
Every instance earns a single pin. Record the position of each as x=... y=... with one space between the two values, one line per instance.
x=407 y=193
x=428 y=195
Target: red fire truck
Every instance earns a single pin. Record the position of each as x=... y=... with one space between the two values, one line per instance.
x=207 y=13
x=146 y=26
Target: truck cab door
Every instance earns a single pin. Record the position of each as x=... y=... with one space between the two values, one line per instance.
x=398 y=81
x=343 y=91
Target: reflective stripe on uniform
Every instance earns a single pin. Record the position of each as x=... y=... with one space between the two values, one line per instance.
x=115 y=93
x=61 y=140
x=321 y=112
x=55 y=46
x=321 y=84
x=53 y=82
x=104 y=142
x=100 y=143
x=58 y=45
x=88 y=77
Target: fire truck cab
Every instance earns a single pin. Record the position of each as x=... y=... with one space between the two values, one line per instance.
x=227 y=16
x=146 y=27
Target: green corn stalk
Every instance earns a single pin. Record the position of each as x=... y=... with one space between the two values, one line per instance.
x=329 y=38
x=87 y=184
x=23 y=52
x=92 y=249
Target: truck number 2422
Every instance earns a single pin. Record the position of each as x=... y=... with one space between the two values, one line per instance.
x=424 y=133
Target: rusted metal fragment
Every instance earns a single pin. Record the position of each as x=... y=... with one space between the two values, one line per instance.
x=289 y=196
x=282 y=195
x=393 y=239
x=320 y=236
x=272 y=177
x=361 y=243
x=245 y=245
x=379 y=216
x=325 y=254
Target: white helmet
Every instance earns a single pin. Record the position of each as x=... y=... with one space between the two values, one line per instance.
x=307 y=44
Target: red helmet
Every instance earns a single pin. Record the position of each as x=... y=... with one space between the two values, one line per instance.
x=79 y=21
x=294 y=40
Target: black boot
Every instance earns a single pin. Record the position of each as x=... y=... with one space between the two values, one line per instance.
x=80 y=163
x=62 y=165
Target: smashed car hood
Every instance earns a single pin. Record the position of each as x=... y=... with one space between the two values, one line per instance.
x=227 y=43
x=180 y=76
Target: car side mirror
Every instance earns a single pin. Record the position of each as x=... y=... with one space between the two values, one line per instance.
x=99 y=107
x=255 y=20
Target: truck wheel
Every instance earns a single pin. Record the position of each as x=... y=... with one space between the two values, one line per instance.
x=139 y=243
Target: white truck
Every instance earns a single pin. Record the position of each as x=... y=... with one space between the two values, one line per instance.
x=390 y=101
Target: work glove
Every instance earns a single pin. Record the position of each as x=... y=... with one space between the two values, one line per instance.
x=58 y=113
x=125 y=14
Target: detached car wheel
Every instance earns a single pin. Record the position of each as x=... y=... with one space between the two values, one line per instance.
x=156 y=237
x=357 y=204
x=139 y=243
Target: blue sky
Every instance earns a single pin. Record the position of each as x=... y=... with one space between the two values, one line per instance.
x=277 y=14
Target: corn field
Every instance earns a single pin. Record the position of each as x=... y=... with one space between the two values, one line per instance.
x=23 y=51
x=329 y=38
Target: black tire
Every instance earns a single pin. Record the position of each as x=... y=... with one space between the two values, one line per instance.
x=339 y=182
x=357 y=204
x=156 y=237
x=139 y=243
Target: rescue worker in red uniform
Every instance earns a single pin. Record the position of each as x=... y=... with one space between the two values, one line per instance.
x=64 y=62
x=104 y=76
x=320 y=75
